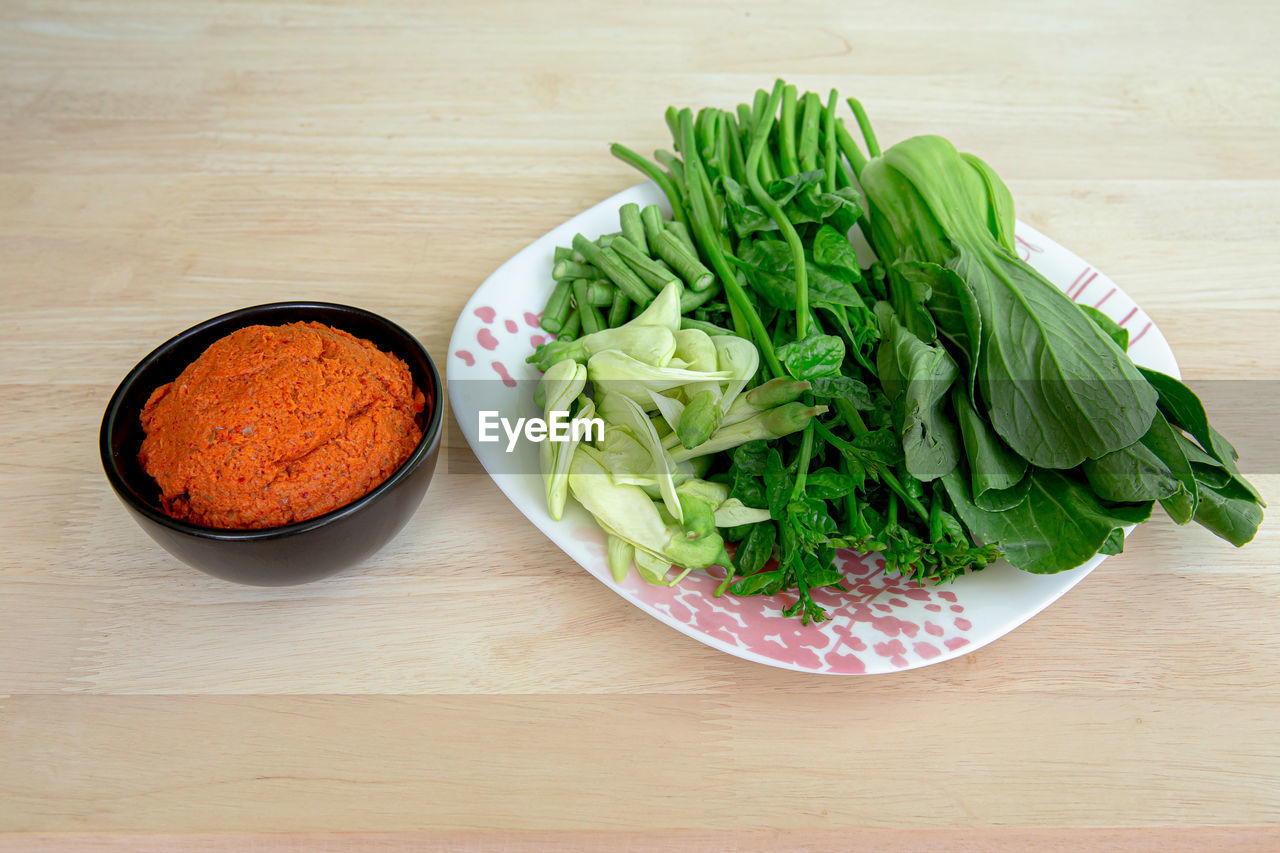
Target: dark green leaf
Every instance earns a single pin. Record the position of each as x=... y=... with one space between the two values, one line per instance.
x=778 y=483
x=1057 y=389
x=916 y=376
x=1133 y=473
x=843 y=388
x=750 y=457
x=1059 y=526
x=1230 y=512
x=998 y=202
x=816 y=355
x=1184 y=409
x=1163 y=441
x=760 y=583
x=749 y=489
x=1110 y=327
x=835 y=254
x=1114 y=544
x=756 y=548
x=993 y=467
x=829 y=484
x=911 y=296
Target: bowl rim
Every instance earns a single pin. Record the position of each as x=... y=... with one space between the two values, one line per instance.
x=430 y=431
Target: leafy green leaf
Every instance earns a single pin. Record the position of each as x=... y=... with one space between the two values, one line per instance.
x=769 y=270
x=1109 y=327
x=1059 y=526
x=756 y=549
x=1057 y=389
x=816 y=355
x=1162 y=440
x=916 y=376
x=829 y=484
x=1114 y=544
x=1133 y=473
x=953 y=308
x=1229 y=512
x=835 y=254
x=995 y=470
x=750 y=457
x=778 y=482
x=998 y=202
x=843 y=388
x=760 y=583
x=910 y=298
x=1184 y=409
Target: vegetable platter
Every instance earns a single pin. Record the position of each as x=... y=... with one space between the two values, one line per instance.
x=821 y=454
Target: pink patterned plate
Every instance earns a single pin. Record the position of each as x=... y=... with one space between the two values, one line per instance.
x=882 y=624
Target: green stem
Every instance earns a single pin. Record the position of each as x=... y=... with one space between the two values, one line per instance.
x=653 y=173
x=810 y=114
x=802 y=467
x=775 y=212
x=864 y=124
x=894 y=484
x=747 y=322
x=736 y=157
x=829 y=159
x=850 y=148
x=787 y=132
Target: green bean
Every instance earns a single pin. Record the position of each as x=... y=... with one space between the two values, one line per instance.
x=656 y=274
x=556 y=312
x=849 y=148
x=591 y=320
x=673 y=165
x=651 y=217
x=692 y=299
x=572 y=269
x=620 y=310
x=687 y=265
x=600 y=293
x=571 y=327
x=829 y=159
x=737 y=160
x=614 y=267
x=681 y=233
x=632 y=227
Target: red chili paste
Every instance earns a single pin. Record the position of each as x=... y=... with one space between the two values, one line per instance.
x=277 y=424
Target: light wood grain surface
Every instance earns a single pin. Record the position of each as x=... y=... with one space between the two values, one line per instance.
x=162 y=162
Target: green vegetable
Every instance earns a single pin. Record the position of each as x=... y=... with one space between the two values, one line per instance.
x=592 y=322
x=654 y=273
x=1059 y=526
x=617 y=271
x=633 y=228
x=556 y=313
x=561 y=385
x=671 y=250
x=943 y=404
x=1056 y=387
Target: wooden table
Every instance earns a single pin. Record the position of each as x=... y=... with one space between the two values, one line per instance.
x=162 y=162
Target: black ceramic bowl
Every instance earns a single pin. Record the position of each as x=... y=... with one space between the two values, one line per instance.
x=292 y=553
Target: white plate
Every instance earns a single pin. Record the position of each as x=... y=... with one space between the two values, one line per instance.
x=881 y=624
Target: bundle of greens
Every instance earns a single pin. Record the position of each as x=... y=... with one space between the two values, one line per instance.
x=975 y=410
